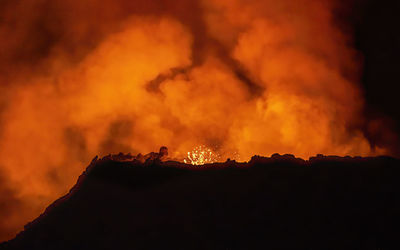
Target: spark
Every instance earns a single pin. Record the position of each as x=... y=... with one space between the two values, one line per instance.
x=201 y=155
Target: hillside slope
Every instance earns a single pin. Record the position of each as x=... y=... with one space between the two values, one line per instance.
x=268 y=203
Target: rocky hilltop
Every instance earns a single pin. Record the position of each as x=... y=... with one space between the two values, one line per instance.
x=277 y=202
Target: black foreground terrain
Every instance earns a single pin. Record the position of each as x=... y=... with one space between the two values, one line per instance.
x=269 y=203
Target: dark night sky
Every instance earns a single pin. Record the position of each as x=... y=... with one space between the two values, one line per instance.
x=377 y=37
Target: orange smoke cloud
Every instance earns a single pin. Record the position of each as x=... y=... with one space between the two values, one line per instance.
x=241 y=78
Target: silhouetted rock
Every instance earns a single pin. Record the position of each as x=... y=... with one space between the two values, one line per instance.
x=140 y=158
x=163 y=152
x=152 y=157
x=288 y=158
x=148 y=158
x=281 y=202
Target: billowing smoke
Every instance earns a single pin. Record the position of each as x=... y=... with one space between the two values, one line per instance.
x=86 y=78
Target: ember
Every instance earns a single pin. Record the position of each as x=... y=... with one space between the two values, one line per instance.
x=201 y=155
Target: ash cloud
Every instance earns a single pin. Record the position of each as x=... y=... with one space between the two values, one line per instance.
x=9 y=203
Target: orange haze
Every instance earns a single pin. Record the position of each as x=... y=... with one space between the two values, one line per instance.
x=86 y=78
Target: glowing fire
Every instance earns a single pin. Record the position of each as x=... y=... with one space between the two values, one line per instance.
x=201 y=155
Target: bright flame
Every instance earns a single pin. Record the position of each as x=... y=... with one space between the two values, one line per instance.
x=201 y=155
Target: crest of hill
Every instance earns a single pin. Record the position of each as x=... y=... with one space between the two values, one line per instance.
x=326 y=202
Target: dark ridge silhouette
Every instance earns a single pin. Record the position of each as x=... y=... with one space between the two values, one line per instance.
x=281 y=202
